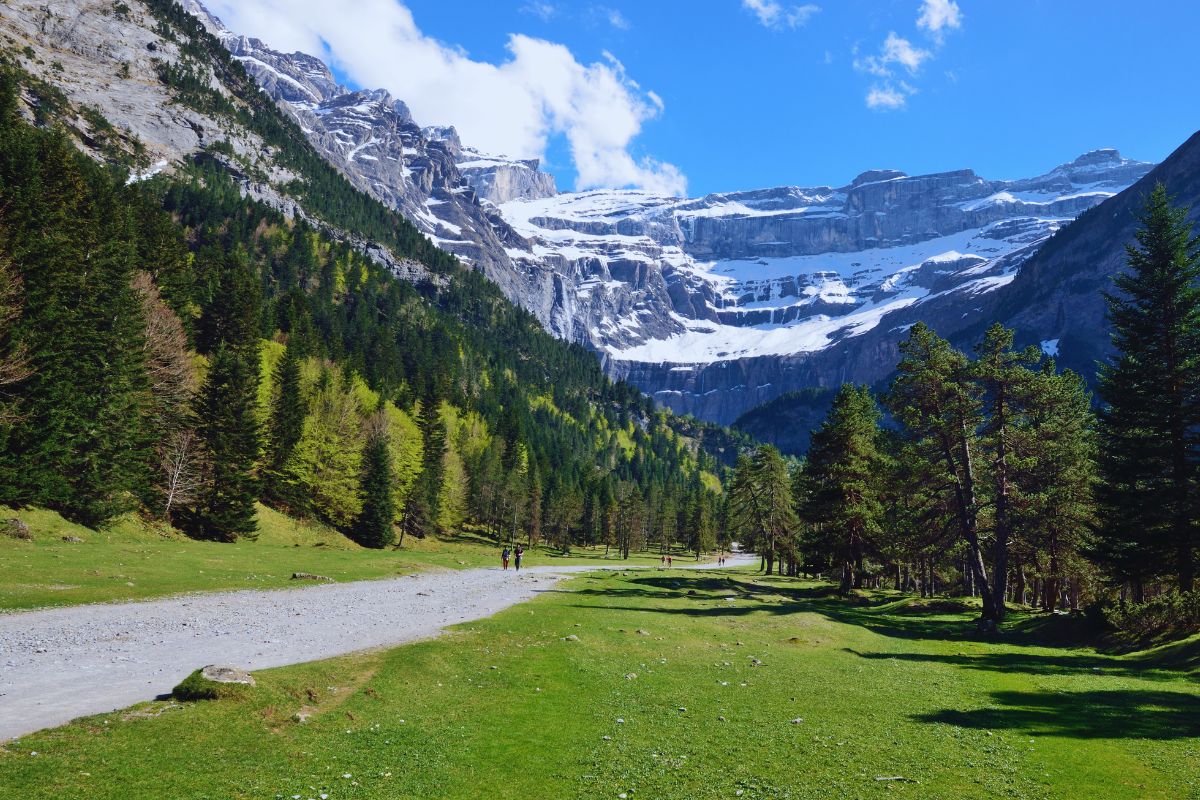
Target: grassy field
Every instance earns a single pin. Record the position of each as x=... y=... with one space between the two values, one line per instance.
x=133 y=560
x=693 y=685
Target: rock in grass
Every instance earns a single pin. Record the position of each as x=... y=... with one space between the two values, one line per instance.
x=798 y=721
x=213 y=683
x=571 y=638
x=16 y=529
x=308 y=576
x=642 y=632
x=72 y=539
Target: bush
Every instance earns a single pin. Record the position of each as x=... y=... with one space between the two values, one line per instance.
x=1170 y=615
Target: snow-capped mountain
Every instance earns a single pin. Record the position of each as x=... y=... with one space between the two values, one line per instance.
x=714 y=305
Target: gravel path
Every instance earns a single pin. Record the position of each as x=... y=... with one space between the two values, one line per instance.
x=62 y=663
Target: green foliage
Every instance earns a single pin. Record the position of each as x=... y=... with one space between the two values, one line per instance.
x=1171 y=614
x=839 y=488
x=1151 y=421
x=78 y=447
x=228 y=427
x=373 y=526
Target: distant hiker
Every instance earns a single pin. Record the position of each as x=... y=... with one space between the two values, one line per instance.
x=504 y=554
x=520 y=552
x=664 y=560
x=669 y=561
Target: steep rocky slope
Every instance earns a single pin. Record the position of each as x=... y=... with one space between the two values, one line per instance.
x=713 y=305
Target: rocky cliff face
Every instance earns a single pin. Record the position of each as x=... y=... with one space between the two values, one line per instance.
x=714 y=305
x=719 y=304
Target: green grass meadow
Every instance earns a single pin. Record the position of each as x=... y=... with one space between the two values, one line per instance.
x=134 y=560
x=680 y=685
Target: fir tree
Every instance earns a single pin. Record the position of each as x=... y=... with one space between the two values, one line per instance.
x=1005 y=380
x=285 y=428
x=229 y=430
x=1151 y=390
x=373 y=526
x=841 y=490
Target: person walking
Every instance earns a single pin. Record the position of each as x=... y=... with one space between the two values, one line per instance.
x=504 y=554
x=663 y=561
x=669 y=561
x=517 y=557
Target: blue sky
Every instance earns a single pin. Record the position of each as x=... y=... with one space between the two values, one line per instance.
x=1021 y=86
x=735 y=94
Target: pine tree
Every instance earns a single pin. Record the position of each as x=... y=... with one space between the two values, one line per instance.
x=1005 y=380
x=285 y=429
x=229 y=430
x=226 y=411
x=940 y=407
x=761 y=504
x=373 y=526
x=78 y=447
x=423 y=506
x=841 y=490
x=1151 y=390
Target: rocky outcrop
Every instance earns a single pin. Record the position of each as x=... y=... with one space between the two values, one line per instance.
x=713 y=305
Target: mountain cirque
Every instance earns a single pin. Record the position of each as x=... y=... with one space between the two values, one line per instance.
x=714 y=305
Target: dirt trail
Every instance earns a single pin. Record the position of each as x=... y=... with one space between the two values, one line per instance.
x=62 y=663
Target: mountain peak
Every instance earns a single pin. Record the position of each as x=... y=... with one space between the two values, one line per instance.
x=877 y=175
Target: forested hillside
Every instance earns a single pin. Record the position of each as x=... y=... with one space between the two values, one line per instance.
x=1001 y=478
x=172 y=345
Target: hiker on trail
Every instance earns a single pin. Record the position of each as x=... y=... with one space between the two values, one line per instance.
x=520 y=552
x=504 y=554
x=668 y=562
x=663 y=560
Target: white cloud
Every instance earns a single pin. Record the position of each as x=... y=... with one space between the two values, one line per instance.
x=937 y=15
x=512 y=107
x=889 y=97
x=541 y=10
x=614 y=17
x=772 y=14
x=895 y=50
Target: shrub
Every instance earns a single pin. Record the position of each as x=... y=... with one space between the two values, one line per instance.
x=1172 y=614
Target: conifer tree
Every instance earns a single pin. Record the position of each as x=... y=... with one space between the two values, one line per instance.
x=423 y=506
x=940 y=407
x=78 y=447
x=226 y=409
x=1006 y=381
x=229 y=430
x=373 y=526
x=841 y=481
x=285 y=428
x=1151 y=390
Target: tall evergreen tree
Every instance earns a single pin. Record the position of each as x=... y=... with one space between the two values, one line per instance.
x=285 y=429
x=423 y=506
x=1150 y=428
x=1006 y=381
x=226 y=410
x=373 y=526
x=841 y=481
x=228 y=428
x=78 y=447
x=940 y=407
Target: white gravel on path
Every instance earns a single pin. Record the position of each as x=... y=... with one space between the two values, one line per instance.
x=62 y=663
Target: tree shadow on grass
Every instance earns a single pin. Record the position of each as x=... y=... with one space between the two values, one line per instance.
x=1083 y=715
x=1031 y=663
x=708 y=596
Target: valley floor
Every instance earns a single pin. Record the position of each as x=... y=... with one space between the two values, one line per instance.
x=66 y=564
x=686 y=685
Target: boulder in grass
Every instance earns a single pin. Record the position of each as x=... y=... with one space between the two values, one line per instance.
x=16 y=529
x=214 y=683
x=308 y=576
